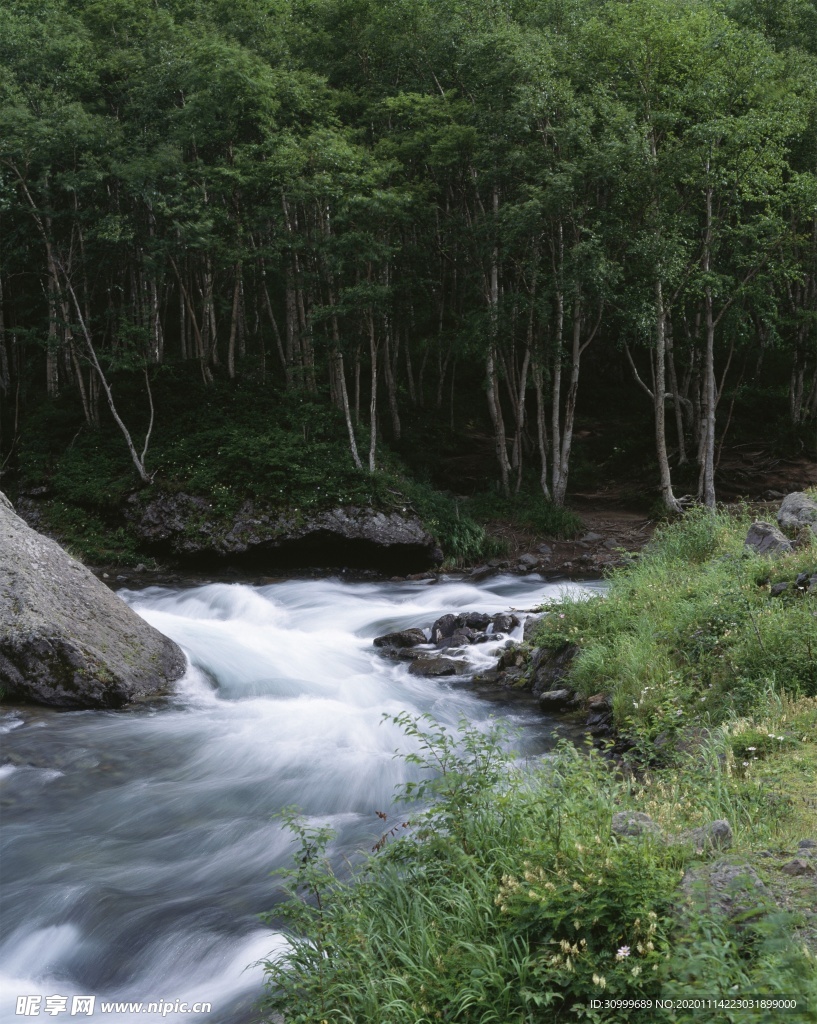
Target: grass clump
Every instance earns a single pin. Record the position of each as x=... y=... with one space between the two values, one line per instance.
x=528 y=509
x=510 y=900
x=691 y=630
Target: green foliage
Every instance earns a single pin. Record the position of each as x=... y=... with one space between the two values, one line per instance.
x=228 y=443
x=510 y=901
x=462 y=539
x=89 y=537
x=528 y=509
x=690 y=629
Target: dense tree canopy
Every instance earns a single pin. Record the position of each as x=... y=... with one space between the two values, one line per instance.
x=354 y=199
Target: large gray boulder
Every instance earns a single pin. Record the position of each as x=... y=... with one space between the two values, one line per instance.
x=65 y=639
x=796 y=511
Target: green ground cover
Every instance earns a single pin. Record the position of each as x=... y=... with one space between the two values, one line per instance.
x=238 y=442
x=511 y=899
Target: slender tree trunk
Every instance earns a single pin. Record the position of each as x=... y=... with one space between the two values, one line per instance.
x=519 y=411
x=556 y=397
x=373 y=400
x=391 y=389
x=659 y=400
x=52 y=373
x=560 y=485
x=494 y=400
x=706 y=480
x=340 y=377
x=138 y=461
x=541 y=429
x=234 y=323
x=495 y=409
x=276 y=332
x=677 y=399
x=409 y=372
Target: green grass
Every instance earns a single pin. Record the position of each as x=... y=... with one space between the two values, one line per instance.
x=690 y=631
x=528 y=509
x=510 y=899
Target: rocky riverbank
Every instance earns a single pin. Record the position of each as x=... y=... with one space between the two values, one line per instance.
x=542 y=665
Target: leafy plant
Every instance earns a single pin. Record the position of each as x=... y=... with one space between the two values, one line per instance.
x=509 y=898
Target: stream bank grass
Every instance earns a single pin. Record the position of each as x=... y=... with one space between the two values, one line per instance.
x=690 y=633
x=511 y=901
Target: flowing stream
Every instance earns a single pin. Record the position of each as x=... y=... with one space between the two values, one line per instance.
x=137 y=846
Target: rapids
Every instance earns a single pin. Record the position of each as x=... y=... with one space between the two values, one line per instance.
x=137 y=846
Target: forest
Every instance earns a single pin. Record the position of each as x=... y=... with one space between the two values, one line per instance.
x=259 y=243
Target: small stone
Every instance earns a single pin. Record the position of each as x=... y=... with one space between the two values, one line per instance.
x=798 y=510
x=733 y=891
x=431 y=667
x=550 y=666
x=403 y=638
x=461 y=637
x=530 y=627
x=633 y=823
x=807 y=844
x=528 y=560
x=481 y=572
x=474 y=620
x=611 y=544
x=555 y=700
x=443 y=628
x=141 y=567
x=591 y=538
x=778 y=589
x=504 y=622
x=766 y=539
x=717 y=835
x=545 y=549
x=798 y=867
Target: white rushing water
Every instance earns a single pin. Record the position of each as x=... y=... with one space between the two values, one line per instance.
x=137 y=846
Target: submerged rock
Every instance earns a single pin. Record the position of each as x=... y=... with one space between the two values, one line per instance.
x=404 y=638
x=437 y=667
x=65 y=639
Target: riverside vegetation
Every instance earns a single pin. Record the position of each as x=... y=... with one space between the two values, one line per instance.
x=510 y=898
